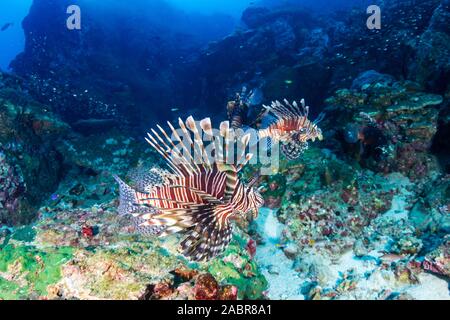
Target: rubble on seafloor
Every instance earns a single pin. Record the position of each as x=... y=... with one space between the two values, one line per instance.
x=345 y=232
x=81 y=249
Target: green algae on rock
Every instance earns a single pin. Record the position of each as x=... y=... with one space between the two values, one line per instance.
x=27 y=272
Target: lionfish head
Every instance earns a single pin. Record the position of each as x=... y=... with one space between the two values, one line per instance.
x=312 y=132
x=316 y=133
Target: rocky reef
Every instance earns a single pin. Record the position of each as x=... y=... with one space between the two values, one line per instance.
x=108 y=73
x=352 y=233
x=81 y=249
x=386 y=126
x=30 y=165
x=285 y=51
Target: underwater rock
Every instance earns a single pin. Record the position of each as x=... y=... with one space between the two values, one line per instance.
x=431 y=66
x=206 y=287
x=31 y=167
x=92 y=73
x=12 y=201
x=92 y=126
x=291 y=251
x=255 y=16
x=394 y=124
x=431 y=211
x=371 y=77
x=438 y=261
x=360 y=248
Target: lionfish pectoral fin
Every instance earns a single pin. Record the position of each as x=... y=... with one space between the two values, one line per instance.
x=211 y=234
x=293 y=149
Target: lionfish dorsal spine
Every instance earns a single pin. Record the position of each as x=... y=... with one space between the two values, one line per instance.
x=174 y=150
x=186 y=151
x=172 y=153
x=190 y=122
x=163 y=153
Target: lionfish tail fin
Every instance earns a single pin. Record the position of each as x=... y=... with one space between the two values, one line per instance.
x=127 y=196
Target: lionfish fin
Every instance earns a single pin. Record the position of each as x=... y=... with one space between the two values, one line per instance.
x=175 y=152
x=152 y=141
x=293 y=149
x=127 y=197
x=177 y=219
x=242 y=156
x=211 y=234
x=248 y=157
x=288 y=110
x=206 y=126
x=187 y=158
x=224 y=130
x=190 y=122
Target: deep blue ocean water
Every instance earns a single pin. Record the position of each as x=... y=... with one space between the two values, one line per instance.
x=12 y=39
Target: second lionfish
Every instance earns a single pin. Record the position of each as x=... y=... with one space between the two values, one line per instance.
x=291 y=127
x=289 y=124
x=197 y=198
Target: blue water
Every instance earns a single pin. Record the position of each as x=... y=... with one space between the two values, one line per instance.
x=12 y=40
x=221 y=16
x=232 y=7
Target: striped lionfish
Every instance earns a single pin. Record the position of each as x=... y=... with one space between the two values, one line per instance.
x=291 y=127
x=197 y=199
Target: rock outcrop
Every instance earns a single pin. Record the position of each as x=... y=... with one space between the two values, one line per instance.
x=30 y=165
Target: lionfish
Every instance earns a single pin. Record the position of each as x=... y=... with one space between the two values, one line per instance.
x=197 y=198
x=237 y=112
x=291 y=127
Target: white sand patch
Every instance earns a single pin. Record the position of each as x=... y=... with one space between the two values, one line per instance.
x=430 y=288
x=284 y=281
x=399 y=202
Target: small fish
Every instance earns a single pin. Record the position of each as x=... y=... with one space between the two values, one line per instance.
x=6 y=26
x=288 y=81
x=197 y=199
x=391 y=257
x=174 y=109
x=54 y=197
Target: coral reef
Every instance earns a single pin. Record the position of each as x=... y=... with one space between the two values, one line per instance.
x=393 y=124
x=358 y=237
x=87 y=251
x=363 y=214
x=30 y=165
